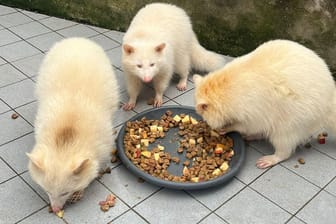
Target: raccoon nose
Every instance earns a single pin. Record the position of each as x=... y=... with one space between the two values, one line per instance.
x=55 y=209
x=147 y=78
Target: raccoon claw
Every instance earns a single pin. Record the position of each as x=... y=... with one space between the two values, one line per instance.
x=128 y=106
x=267 y=161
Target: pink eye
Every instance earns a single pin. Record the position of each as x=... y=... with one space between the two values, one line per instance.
x=139 y=66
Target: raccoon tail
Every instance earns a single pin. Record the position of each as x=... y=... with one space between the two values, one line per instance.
x=204 y=60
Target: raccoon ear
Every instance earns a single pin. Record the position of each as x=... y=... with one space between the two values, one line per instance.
x=79 y=168
x=202 y=106
x=160 y=47
x=35 y=161
x=197 y=78
x=128 y=49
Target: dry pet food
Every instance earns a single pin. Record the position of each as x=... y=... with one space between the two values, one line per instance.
x=207 y=153
x=109 y=202
x=14 y=116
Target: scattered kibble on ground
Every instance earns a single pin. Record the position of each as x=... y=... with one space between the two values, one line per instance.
x=14 y=116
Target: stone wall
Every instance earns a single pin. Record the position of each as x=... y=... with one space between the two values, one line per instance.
x=230 y=27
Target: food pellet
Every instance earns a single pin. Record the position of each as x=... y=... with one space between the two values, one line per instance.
x=301 y=161
x=14 y=116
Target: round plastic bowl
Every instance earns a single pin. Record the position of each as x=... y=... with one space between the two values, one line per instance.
x=171 y=146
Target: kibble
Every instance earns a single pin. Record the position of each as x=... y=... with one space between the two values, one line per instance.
x=301 y=161
x=14 y=116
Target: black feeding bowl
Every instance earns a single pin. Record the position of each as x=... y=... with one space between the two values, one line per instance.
x=171 y=147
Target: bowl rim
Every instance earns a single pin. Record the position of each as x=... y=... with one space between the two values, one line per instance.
x=238 y=141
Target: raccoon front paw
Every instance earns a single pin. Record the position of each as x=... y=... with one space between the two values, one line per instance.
x=128 y=106
x=182 y=85
x=157 y=102
x=267 y=161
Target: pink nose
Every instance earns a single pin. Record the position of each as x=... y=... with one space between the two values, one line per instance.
x=56 y=209
x=147 y=79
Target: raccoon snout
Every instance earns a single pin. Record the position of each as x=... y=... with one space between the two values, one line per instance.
x=147 y=78
x=56 y=209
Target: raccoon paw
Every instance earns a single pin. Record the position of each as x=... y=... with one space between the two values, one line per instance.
x=182 y=85
x=157 y=102
x=267 y=161
x=128 y=106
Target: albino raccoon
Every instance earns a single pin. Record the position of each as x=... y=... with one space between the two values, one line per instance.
x=77 y=95
x=282 y=91
x=159 y=42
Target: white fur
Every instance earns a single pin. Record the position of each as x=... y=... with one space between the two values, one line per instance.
x=156 y=24
x=76 y=91
x=282 y=91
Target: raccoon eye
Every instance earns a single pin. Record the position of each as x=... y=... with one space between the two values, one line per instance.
x=139 y=66
x=152 y=64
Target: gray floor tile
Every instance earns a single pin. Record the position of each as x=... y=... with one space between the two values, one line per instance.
x=19 y=201
x=262 y=146
x=214 y=197
x=249 y=170
x=115 y=56
x=28 y=111
x=145 y=94
x=121 y=116
x=9 y=75
x=173 y=92
x=42 y=216
x=17 y=51
x=7 y=37
x=29 y=66
x=295 y=220
x=186 y=99
x=98 y=29
x=129 y=217
x=14 y=19
x=18 y=93
x=105 y=42
x=45 y=41
x=2 y=62
x=14 y=153
x=179 y=205
x=115 y=35
x=331 y=188
x=285 y=188
x=26 y=176
x=79 y=30
x=87 y=209
x=317 y=166
x=329 y=147
x=29 y=30
x=213 y=219
x=126 y=186
x=5 y=172
x=170 y=103
x=121 y=80
x=6 y=10
x=322 y=209
x=250 y=207
x=57 y=23
x=3 y=107
x=34 y=15
x=11 y=129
